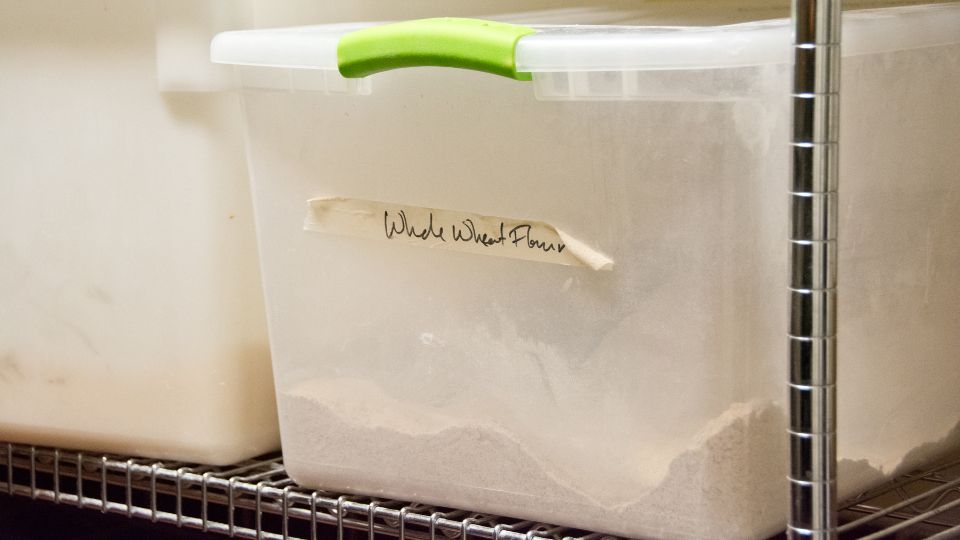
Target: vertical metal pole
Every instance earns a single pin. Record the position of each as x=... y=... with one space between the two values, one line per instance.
x=813 y=269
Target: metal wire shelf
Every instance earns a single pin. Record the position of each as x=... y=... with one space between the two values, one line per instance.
x=256 y=499
x=920 y=504
x=253 y=499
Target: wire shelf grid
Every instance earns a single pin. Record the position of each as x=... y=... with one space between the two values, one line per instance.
x=920 y=504
x=256 y=499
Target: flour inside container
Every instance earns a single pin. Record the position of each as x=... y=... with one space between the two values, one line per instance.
x=733 y=469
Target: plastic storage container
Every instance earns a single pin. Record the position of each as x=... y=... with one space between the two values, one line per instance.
x=131 y=312
x=565 y=299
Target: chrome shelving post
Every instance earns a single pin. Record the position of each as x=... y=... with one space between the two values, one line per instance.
x=813 y=269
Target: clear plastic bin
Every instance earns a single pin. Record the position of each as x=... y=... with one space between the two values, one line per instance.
x=603 y=344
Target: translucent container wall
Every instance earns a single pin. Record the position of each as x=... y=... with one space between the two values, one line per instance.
x=644 y=397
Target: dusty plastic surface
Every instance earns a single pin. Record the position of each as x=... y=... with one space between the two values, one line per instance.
x=131 y=317
x=647 y=400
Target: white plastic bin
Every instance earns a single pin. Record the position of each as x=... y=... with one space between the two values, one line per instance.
x=565 y=299
x=131 y=312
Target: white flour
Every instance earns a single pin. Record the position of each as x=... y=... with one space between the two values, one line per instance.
x=729 y=483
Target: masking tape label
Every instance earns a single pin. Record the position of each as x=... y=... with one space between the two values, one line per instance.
x=453 y=230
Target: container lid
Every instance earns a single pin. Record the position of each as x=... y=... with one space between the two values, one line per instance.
x=579 y=48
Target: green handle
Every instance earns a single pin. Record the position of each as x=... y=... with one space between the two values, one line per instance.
x=448 y=42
